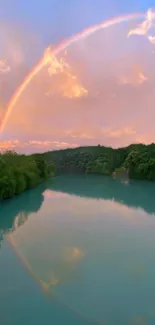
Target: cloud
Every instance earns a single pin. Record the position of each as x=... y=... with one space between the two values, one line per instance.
x=143 y=28
x=97 y=135
x=80 y=134
x=118 y=133
x=150 y=15
x=67 y=84
x=34 y=145
x=101 y=135
x=9 y=144
x=4 y=67
x=136 y=78
x=151 y=39
x=48 y=144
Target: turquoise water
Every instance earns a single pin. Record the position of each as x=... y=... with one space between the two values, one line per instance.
x=79 y=250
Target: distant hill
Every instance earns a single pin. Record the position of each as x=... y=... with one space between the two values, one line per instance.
x=137 y=159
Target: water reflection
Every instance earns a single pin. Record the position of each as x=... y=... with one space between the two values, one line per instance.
x=54 y=261
x=134 y=194
x=137 y=194
x=81 y=235
x=15 y=212
x=48 y=270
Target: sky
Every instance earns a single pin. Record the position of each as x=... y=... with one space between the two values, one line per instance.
x=98 y=90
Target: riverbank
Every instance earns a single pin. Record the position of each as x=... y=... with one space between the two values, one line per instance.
x=19 y=173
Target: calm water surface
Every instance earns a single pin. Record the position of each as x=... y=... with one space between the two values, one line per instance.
x=79 y=250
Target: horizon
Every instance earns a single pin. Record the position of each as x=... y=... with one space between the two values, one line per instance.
x=74 y=148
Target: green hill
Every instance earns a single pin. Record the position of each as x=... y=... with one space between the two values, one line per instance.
x=137 y=160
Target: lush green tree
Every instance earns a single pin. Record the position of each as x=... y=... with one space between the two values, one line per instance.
x=20 y=172
x=7 y=186
x=20 y=180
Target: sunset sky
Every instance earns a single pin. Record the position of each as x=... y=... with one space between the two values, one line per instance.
x=98 y=90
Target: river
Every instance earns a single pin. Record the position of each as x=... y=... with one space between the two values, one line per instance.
x=79 y=250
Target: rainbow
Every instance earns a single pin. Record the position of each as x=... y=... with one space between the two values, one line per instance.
x=62 y=46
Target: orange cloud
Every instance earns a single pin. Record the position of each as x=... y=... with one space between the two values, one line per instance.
x=136 y=78
x=10 y=144
x=68 y=84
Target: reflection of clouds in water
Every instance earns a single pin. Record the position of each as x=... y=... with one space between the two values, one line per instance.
x=115 y=210
x=72 y=254
x=51 y=281
x=66 y=236
x=62 y=271
x=51 y=194
x=139 y=320
x=47 y=269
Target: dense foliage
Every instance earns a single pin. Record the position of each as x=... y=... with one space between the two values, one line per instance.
x=20 y=172
x=138 y=160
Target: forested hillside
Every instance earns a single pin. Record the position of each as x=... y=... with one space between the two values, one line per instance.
x=137 y=160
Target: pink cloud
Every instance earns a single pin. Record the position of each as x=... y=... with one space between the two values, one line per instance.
x=87 y=134
x=34 y=145
x=119 y=133
x=135 y=78
x=4 y=67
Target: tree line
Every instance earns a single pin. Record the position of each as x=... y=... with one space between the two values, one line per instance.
x=137 y=160
x=20 y=172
